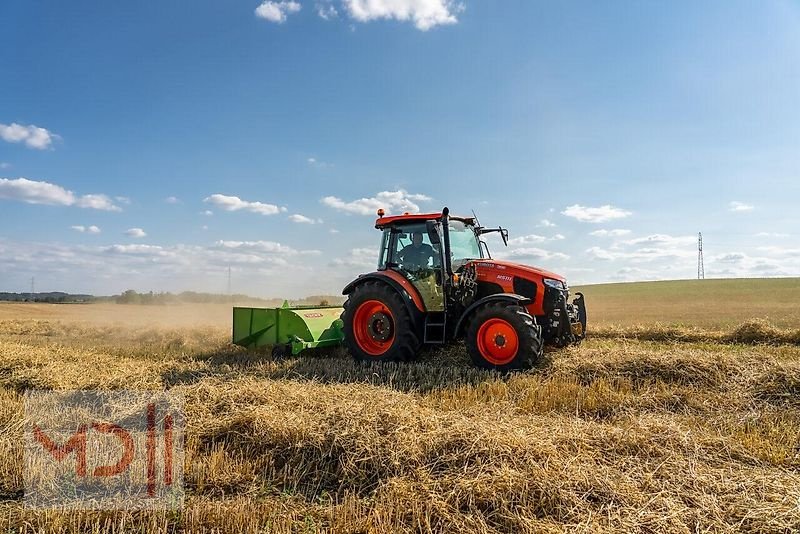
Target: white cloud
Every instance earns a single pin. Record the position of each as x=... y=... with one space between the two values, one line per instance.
x=425 y=14
x=32 y=136
x=656 y=247
x=86 y=229
x=208 y=213
x=534 y=253
x=268 y=247
x=663 y=240
x=316 y=163
x=391 y=201
x=595 y=215
x=98 y=202
x=302 y=219
x=544 y=223
x=333 y=231
x=138 y=233
x=358 y=258
x=277 y=11
x=123 y=200
x=772 y=234
x=533 y=238
x=231 y=203
x=734 y=257
x=326 y=10
x=172 y=200
x=735 y=205
x=38 y=192
x=610 y=233
x=4 y=165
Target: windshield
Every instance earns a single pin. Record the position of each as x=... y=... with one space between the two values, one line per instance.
x=463 y=243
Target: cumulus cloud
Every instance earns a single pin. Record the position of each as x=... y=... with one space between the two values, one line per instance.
x=651 y=248
x=39 y=192
x=32 y=136
x=533 y=238
x=534 y=253
x=610 y=233
x=599 y=214
x=545 y=223
x=663 y=240
x=231 y=203
x=277 y=11
x=138 y=233
x=172 y=200
x=270 y=247
x=358 y=258
x=302 y=219
x=398 y=201
x=86 y=229
x=772 y=234
x=424 y=14
x=737 y=206
x=326 y=10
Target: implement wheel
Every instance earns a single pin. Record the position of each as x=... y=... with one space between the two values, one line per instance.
x=503 y=336
x=377 y=325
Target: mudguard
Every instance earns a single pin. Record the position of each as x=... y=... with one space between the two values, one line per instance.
x=409 y=294
x=508 y=297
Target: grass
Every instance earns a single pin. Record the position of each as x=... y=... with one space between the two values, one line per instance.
x=681 y=429
x=722 y=303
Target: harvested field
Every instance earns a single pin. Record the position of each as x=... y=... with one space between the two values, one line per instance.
x=654 y=428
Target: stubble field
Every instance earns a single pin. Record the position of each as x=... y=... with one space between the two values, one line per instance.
x=680 y=413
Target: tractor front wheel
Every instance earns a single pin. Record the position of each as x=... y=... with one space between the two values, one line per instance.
x=377 y=325
x=503 y=336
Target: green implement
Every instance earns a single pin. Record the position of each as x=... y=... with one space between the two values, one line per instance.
x=287 y=329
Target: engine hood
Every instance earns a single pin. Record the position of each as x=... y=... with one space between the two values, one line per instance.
x=533 y=272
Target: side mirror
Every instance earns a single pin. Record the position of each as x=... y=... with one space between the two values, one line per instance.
x=504 y=235
x=433 y=232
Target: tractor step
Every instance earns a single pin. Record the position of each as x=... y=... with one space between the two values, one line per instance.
x=435 y=328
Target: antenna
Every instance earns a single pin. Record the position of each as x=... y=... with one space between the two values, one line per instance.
x=477 y=222
x=701 y=271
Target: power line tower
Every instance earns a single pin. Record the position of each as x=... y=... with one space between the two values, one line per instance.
x=701 y=271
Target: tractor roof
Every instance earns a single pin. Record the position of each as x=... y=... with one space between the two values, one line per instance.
x=415 y=217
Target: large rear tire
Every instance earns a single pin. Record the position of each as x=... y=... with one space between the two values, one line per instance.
x=505 y=337
x=377 y=325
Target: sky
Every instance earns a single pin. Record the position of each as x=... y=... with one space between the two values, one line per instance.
x=153 y=145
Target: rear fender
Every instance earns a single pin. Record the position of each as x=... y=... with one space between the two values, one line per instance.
x=408 y=293
x=497 y=297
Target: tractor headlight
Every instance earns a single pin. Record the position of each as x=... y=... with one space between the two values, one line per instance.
x=556 y=284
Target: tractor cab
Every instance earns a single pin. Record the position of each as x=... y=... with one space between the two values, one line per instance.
x=414 y=246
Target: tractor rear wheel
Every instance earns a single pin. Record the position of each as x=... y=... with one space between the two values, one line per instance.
x=505 y=337
x=377 y=325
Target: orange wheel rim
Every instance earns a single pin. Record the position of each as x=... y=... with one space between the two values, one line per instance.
x=498 y=341
x=373 y=327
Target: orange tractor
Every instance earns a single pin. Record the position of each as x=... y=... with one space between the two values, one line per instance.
x=436 y=283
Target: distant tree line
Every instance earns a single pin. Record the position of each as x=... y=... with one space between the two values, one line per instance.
x=189 y=297
x=132 y=297
x=57 y=297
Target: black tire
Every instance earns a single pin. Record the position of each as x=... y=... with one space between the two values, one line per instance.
x=529 y=336
x=405 y=342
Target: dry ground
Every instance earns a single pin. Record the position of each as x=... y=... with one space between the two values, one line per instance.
x=655 y=429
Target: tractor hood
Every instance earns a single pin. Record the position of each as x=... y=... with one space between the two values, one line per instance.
x=531 y=271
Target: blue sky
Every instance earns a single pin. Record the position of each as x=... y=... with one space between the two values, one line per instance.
x=150 y=145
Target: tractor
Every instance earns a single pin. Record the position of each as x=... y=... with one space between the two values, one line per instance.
x=437 y=283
